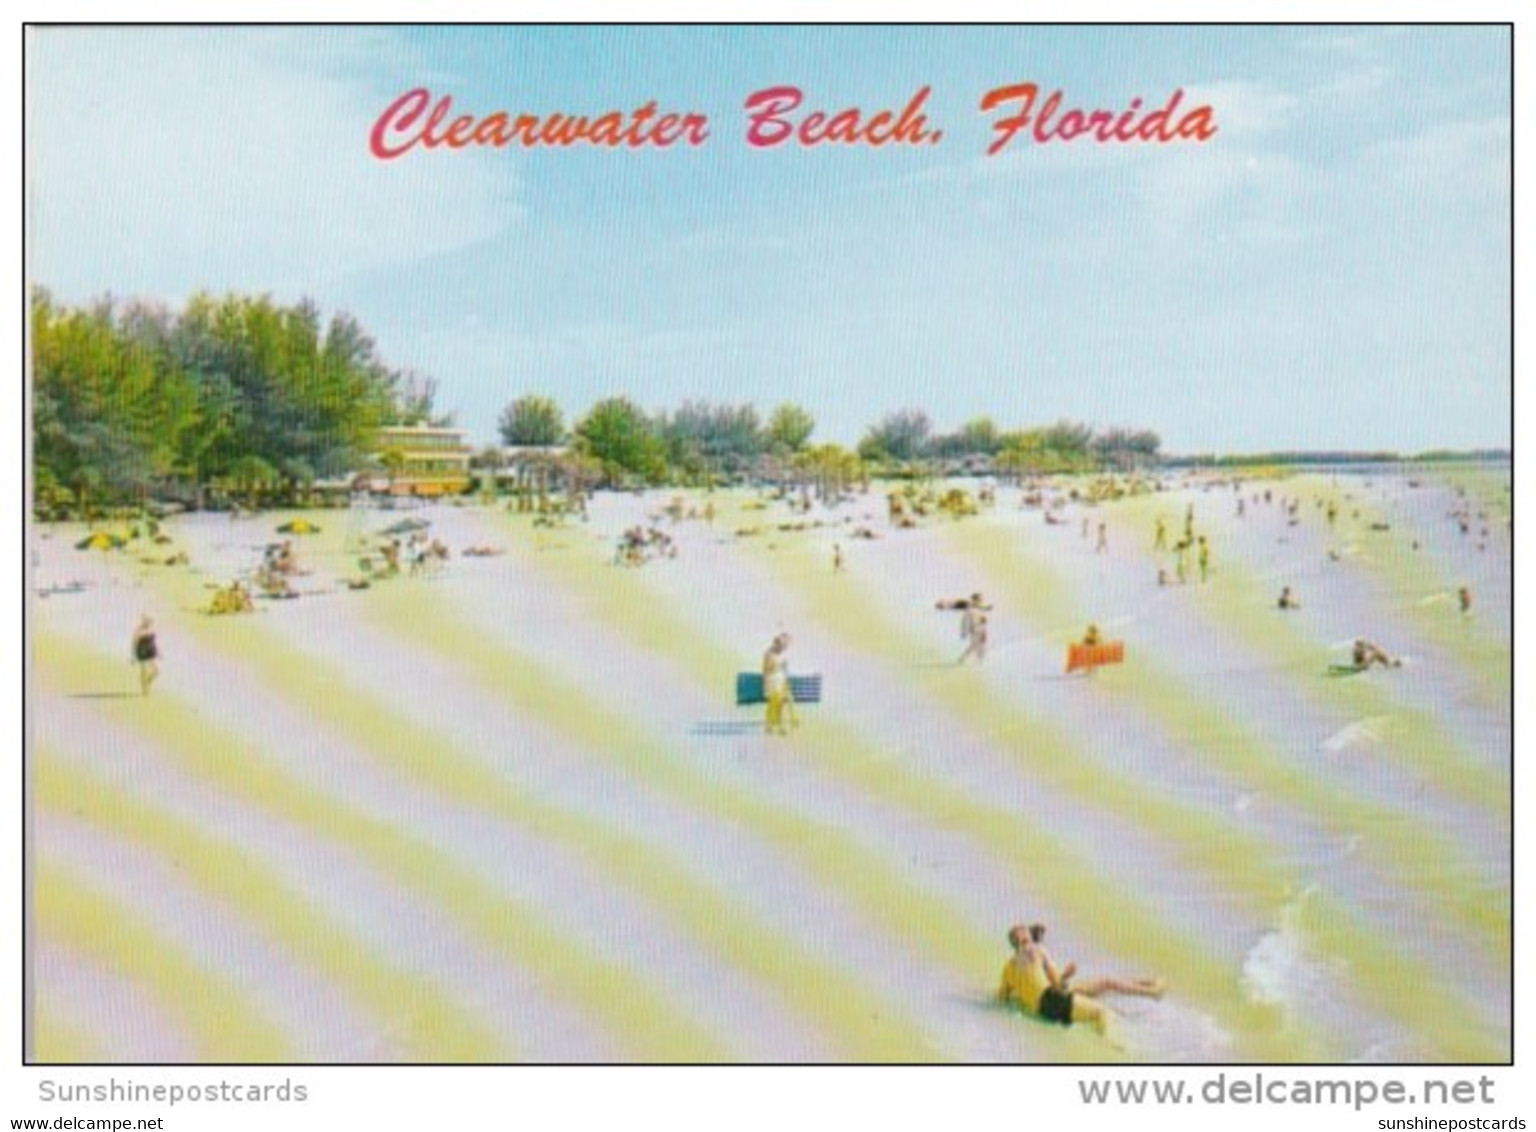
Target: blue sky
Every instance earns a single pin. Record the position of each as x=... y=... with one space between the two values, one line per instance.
x=1332 y=270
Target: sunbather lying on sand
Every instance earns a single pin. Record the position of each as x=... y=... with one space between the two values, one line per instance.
x=1366 y=654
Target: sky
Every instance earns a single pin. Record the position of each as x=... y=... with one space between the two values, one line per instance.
x=1330 y=271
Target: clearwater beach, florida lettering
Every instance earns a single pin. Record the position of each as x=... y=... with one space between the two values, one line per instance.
x=783 y=116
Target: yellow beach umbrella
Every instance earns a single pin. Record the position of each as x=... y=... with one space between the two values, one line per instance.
x=99 y=540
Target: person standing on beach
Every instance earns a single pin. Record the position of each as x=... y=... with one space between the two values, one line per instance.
x=971 y=609
x=1160 y=540
x=146 y=653
x=973 y=627
x=1205 y=560
x=776 y=689
x=1102 y=545
x=837 y=558
x=1464 y=599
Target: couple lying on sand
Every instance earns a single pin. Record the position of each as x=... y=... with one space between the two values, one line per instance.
x=1032 y=980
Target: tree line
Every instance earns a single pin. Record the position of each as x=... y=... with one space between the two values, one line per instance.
x=241 y=396
x=228 y=395
x=705 y=441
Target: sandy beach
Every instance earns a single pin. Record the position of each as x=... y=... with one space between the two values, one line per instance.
x=507 y=810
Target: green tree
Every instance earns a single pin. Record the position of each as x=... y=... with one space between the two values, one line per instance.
x=620 y=437
x=704 y=438
x=131 y=396
x=902 y=436
x=392 y=460
x=532 y=422
x=790 y=428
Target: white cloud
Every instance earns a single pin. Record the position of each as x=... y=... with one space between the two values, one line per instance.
x=1463 y=160
x=1244 y=110
x=170 y=160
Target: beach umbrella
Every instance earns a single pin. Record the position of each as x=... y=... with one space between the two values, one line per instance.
x=100 y=540
x=298 y=527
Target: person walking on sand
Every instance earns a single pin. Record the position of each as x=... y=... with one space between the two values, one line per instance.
x=146 y=653
x=1160 y=540
x=1102 y=545
x=837 y=558
x=973 y=627
x=1205 y=560
x=1032 y=981
x=970 y=609
x=1464 y=599
x=776 y=689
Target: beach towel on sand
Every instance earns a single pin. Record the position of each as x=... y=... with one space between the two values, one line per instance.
x=1090 y=657
x=803 y=689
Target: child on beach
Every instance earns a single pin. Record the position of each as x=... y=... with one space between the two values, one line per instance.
x=146 y=653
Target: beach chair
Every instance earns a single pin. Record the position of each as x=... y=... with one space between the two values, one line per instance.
x=1086 y=658
x=803 y=689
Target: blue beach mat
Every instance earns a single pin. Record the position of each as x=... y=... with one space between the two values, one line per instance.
x=804 y=689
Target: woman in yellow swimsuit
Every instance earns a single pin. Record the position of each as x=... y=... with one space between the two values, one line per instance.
x=776 y=689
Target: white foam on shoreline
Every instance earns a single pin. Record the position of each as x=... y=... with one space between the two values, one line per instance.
x=1281 y=971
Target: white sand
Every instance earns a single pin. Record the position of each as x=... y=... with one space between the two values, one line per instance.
x=520 y=795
